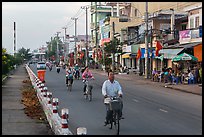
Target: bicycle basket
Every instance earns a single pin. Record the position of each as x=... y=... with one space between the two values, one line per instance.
x=115 y=105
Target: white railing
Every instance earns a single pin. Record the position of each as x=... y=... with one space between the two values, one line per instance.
x=58 y=123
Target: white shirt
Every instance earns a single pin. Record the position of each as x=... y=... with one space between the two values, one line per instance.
x=111 y=89
x=190 y=75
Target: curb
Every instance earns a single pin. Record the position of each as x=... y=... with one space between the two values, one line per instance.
x=166 y=86
x=183 y=90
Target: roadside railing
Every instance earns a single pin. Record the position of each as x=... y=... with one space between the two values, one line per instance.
x=59 y=123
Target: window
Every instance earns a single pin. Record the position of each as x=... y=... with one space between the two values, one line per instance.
x=191 y=23
x=183 y=27
x=135 y=12
x=197 y=22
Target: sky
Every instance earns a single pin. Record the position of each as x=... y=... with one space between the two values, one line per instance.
x=37 y=22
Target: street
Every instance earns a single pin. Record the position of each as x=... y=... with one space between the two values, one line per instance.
x=148 y=110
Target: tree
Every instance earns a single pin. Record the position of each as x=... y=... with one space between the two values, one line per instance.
x=8 y=61
x=114 y=46
x=24 y=53
x=111 y=48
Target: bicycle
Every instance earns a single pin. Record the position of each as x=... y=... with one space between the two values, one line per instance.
x=88 y=91
x=69 y=82
x=115 y=107
x=77 y=74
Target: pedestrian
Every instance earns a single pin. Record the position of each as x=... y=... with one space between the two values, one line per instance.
x=111 y=88
x=200 y=74
x=196 y=74
x=190 y=77
x=179 y=77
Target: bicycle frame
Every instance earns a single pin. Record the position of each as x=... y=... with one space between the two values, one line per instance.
x=88 y=90
x=69 y=84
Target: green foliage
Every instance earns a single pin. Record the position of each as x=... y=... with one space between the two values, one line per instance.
x=51 y=53
x=107 y=61
x=114 y=46
x=8 y=60
x=24 y=53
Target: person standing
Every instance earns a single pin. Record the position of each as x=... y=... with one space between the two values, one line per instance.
x=200 y=74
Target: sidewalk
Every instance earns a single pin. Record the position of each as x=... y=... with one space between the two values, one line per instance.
x=192 y=88
x=14 y=120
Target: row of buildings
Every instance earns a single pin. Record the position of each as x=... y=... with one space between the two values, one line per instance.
x=177 y=26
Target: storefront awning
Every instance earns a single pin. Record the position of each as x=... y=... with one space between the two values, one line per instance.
x=170 y=53
x=126 y=55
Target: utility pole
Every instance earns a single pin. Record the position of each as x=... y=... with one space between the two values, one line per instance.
x=86 y=54
x=75 y=39
x=146 y=43
x=58 y=46
x=172 y=23
x=14 y=39
x=96 y=34
x=113 y=54
x=65 y=44
x=151 y=59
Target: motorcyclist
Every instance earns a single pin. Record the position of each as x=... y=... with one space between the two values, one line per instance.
x=86 y=74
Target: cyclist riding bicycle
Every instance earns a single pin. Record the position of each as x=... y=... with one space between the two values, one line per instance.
x=69 y=75
x=111 y=88
x=76 y=69
x=86 y=74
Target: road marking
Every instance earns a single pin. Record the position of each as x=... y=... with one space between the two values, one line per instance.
x=135 y=100
x=163 y=110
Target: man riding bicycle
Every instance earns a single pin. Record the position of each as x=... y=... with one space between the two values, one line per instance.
x=111 y=88
x=76 y=69
x=86 y=74
x=69 y=75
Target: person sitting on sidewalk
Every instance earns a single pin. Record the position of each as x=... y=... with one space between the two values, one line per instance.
x=190 y=77
x=154 y=75
x=166 y=75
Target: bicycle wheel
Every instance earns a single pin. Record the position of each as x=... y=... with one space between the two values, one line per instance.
x=112 y=119
x=90 y=94
x=69 y=85
x=117 y=122
x=86 y=95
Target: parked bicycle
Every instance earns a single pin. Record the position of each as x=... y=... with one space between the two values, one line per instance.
x=115 y=108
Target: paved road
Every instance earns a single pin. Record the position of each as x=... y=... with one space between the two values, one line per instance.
x=148 y=110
